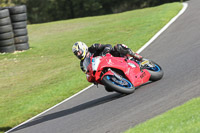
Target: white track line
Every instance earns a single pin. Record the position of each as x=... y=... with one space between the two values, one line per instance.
x=50 y=108
x=185 y=5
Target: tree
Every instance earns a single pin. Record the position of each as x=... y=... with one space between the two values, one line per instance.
x=6 y=3
x=40 y=11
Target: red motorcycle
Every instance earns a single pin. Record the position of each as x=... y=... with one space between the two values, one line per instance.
x=120 y=74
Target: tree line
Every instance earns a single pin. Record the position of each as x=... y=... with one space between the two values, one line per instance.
x=40 y=11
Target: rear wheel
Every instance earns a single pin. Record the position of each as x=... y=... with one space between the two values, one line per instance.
x=108 y=89
x=120 y=85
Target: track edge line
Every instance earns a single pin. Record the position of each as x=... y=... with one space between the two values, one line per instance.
x=185 y=5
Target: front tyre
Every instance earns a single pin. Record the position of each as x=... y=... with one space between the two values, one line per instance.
x=156 y=72
x=121 y=86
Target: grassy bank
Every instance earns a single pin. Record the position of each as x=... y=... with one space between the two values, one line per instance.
x=183 y=119
x=37 y=79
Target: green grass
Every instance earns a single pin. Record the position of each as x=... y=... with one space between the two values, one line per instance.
x=182 y=119
x=37 y=79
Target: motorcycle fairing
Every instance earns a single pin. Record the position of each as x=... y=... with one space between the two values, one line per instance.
x=130 y=68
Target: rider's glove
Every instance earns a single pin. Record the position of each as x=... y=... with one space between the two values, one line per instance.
x=137 y=57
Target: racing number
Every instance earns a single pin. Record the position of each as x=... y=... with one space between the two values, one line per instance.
x=142 y=75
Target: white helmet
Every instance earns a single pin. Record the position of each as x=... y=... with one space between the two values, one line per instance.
x=80 y=49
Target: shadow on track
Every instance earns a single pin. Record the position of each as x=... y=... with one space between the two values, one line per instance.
x=73 y=110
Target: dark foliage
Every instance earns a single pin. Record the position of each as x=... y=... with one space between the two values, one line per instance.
x=51 y=10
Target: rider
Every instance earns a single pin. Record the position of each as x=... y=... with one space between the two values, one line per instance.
x=81 y=50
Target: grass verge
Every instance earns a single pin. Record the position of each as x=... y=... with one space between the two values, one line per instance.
x=37 y=79
x=182 y=119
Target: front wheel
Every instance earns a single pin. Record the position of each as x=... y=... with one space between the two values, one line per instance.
x=155 y=71
x=119 y=85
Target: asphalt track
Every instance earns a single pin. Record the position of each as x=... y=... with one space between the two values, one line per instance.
x=177 y=50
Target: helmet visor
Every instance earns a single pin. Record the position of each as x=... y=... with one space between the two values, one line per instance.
x=79 y=53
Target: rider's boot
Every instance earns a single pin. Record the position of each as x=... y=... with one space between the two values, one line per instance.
x=125 y=51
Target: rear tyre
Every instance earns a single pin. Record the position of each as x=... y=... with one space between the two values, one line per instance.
x=108 y=89
x=156 y=72
x=108 y=82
